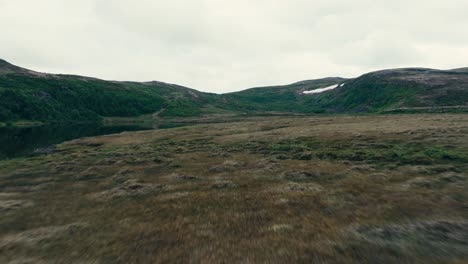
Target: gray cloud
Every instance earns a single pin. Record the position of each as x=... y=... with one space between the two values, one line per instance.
x=222 y=46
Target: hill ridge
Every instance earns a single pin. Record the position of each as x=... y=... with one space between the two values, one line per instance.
x=30 y=95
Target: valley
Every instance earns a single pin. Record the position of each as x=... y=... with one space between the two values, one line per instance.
x=372 y=169
x=243 y=132
x=271 y=189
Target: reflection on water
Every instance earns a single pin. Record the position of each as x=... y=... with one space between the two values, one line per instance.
x=22 y=141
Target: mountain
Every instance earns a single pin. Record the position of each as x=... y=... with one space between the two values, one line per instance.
x=397 y=89
x=461 y=69
x=7 y=68
x=30 y=95
x=285 y=98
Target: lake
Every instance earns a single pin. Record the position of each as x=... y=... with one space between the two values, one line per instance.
x=22 y=141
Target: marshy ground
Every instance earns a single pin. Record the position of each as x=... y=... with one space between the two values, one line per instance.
x=340 y=189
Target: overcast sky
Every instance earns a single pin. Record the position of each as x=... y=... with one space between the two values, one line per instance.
x=222 y=46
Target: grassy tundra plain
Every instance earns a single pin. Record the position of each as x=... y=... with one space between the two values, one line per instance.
x=331 y=189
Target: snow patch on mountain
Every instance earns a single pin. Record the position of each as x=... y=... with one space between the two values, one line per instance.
x=321 y=90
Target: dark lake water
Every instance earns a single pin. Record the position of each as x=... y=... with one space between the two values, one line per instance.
x=22 y=141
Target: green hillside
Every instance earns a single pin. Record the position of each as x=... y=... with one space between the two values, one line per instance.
x=393 y=90
x=286 y=98
x=413 y=89
x=29 y=95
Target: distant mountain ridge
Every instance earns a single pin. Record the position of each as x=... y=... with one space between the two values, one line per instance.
x=31 y=95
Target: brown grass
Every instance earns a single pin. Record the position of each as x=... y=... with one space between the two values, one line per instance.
x=345 y=189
